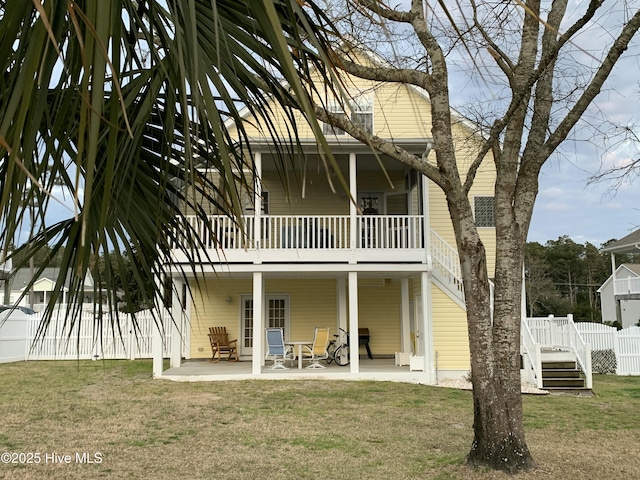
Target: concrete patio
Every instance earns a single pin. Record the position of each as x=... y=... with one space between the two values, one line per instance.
x=383 y=369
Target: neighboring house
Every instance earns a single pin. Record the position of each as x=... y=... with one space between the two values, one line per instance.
x=43 y=287
x=623 y=307
x=5 y=270
x=388 y=264
x=621 y=291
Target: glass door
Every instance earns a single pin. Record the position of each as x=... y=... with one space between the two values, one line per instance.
x=276 y=315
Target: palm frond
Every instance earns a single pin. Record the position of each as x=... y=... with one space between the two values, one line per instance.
x=119 y=104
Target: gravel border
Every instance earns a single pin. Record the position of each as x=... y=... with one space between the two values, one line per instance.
x=462 y=384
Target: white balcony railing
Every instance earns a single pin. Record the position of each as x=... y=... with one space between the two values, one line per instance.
x=312 y=232
x=626 y=286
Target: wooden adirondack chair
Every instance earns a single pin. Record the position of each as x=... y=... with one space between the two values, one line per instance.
x=220 y=344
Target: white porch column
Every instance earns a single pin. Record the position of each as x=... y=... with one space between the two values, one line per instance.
x=157 y=348
x=353 y=322
x=176 y=325
x=257 y=199
x=427 y=326
x=353 y=208
x=342 y=303
x=405 y=325
x=257 y=359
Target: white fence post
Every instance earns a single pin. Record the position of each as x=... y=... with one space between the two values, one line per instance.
x=616 y=351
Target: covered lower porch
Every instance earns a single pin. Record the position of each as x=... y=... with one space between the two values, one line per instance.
x=394 y=305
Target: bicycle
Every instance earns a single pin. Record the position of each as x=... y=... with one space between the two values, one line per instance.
x=338 y=349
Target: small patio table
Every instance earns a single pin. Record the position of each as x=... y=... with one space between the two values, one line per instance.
x=299 y=345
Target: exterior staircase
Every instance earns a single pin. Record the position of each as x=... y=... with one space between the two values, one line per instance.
x=560 y=373
x=555 y=357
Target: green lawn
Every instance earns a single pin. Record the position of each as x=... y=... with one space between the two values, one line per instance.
x=131 y=426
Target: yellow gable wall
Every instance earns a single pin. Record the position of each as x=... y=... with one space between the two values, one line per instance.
x=398 y=112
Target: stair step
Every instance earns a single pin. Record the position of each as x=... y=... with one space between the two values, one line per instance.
x=576 y=391
x=558 y=373
x=562 y=382
x=560 y=365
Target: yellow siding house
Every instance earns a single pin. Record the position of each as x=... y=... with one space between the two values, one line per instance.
x=311 y=258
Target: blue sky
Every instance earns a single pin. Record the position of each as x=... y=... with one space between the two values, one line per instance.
x=595 y=212
x=567 y=203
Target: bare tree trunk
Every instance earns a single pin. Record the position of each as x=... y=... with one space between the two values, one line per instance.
x=498 y=424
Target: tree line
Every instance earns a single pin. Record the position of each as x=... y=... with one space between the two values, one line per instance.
x=563 y=276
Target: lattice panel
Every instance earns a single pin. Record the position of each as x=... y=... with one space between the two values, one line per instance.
x=603 y=361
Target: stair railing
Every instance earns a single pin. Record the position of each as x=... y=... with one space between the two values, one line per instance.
x=531 y=354
x=582 y=350
x=446 y=264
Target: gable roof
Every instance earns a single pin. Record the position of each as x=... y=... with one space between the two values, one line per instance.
x=359 y=49
x=23 y=276
x=631 y=267
x=634 y=267
x=628 y=244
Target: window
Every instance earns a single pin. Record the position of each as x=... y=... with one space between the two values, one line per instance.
x=248 y=199
x=327 y=129
x=483 y=211
x=361 y=112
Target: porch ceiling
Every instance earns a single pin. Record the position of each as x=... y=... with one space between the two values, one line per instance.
x=316 y=271
x=367 y=160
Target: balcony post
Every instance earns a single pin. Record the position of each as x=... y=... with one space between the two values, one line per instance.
x=426 y=225
x=353 y=208
x=257 y=200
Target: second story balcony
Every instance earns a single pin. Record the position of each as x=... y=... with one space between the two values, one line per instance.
x=627 y=288
x=314 y=238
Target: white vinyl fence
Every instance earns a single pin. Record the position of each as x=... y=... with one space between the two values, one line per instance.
x=13 y=337
x=625 y=344
x=81 y=340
